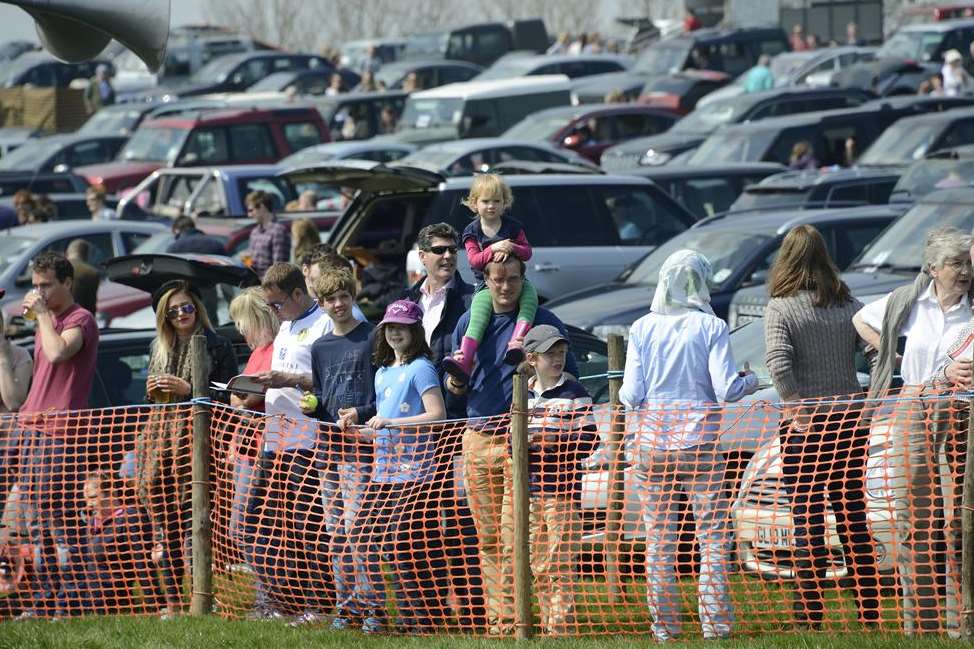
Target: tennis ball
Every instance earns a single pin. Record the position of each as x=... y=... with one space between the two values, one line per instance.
x=308 y=401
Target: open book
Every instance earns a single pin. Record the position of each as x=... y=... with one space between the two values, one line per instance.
x=243 y=383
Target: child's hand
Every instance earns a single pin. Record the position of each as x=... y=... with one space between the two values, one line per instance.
x=504 y=245
x=377 y=422
x=347 y=417
x=500 y=257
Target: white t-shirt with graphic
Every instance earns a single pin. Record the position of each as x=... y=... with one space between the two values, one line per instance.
x=292 y=354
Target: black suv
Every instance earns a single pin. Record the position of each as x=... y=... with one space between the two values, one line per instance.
x=772 y=140
x=692 y=130
x=732 y=51
x=909 y=57
x=810 y=189
x=912 y=138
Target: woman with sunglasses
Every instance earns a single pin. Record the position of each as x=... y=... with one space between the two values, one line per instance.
x=162 y=478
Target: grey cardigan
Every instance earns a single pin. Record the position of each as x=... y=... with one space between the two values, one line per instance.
x=898 y=309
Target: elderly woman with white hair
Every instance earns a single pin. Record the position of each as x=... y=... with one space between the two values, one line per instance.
x=928 y=314
x=678 y=368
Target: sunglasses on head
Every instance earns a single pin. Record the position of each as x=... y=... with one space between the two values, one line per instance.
x=439 y=250
x=186 y=309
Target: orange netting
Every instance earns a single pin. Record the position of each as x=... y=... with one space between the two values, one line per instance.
x=840 y=515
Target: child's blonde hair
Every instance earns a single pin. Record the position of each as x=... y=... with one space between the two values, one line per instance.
x=488 y=185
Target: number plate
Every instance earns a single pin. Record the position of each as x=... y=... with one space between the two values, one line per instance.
x=773 y=537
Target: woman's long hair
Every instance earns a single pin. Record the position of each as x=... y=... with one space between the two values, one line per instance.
x=305 y=235
x=803 y=264
x=383 y=355
x=165 y=342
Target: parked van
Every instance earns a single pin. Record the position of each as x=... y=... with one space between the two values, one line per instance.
x=478 y=108
x=481 y=43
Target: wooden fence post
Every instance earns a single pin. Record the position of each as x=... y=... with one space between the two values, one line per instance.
x=202 y=600
x=967 y=533
x=522 y=508
x=617 y=476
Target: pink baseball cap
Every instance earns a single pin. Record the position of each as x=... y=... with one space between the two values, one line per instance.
x=402 y=312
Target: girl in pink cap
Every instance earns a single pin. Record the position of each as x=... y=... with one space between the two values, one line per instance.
x=397 y=520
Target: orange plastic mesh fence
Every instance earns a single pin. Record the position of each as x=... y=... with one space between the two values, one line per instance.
x=840 y=515
x=96 y=511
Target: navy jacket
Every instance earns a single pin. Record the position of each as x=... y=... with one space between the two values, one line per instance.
x=458 y=299
x=194 y=241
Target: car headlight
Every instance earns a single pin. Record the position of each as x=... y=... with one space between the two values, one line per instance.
x=603 y=331
x=653 y=158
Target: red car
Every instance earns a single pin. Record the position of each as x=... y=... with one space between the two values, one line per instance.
x=223 y=137
x=590 y=129
x=680 y=92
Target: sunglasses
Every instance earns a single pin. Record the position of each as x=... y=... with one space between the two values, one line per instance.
x=186 y=309
x=277 y=306
x=439 y=250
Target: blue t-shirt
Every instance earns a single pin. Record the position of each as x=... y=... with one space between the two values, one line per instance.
x=404 y=454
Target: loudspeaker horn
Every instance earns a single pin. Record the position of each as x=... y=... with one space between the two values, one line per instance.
x=77 y=30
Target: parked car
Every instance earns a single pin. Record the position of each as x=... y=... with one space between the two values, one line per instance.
x=572 y=66
x=187 y=51
x=680 y=92
x=692 y=130
x=908 y=57
x=354 y=53
x=19 y=245
x=311 y=81
x=932 y=12
x=358 y=115
x=911 y=138
x=826 y=132
x=732 y=51
x=429 y=74
x=811 y=68
x=234 y=73
x=740 y=248
x=940 y=170
x=477 y=108
x=466 y=157
x=42 y=183
x=117 y=119
x=379 y=150
x=13 y=137
x=60 y=153
x=480 y=43
x=584 y=228
x=706 y=191
x=222 y=137
x=41 y=70
x=591 y=129
x=893 y=259
x=815 y=189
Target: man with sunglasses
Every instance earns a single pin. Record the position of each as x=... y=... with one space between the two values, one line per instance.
x=444 y=298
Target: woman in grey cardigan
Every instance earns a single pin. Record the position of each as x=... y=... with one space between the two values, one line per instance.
x=811 y=346
x=930 y=313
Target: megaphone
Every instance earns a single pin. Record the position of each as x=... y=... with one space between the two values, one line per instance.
x=77 y=30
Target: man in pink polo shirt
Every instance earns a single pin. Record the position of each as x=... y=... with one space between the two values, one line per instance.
x=65 y=349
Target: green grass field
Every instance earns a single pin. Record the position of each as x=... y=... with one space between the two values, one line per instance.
x=216 y=633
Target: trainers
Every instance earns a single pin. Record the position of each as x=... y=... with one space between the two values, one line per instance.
x=307 y=618
x=340 y=623
x=264 y=615
x=29 y=614
x=371 y=625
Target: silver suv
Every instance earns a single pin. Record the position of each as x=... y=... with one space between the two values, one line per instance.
x=585 y=229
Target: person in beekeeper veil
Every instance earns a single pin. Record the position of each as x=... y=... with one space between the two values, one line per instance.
x=679 y=367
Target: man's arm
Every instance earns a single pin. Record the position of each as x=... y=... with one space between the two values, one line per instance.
x=58 y=347
x=281 y=245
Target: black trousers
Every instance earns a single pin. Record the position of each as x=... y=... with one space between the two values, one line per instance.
x=828 y=463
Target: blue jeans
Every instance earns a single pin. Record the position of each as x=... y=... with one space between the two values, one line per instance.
x=344 y=490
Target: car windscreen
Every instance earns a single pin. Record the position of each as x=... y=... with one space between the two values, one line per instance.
x=432 y=112
x=427 y=44
x=762 y=198
x=727 y=251
x=11 y=248
x=537 y=127
x=114 y=121
x=507 y=70
x=732 y=147
x=663 y=58
x=158 y=144
x=788 y=63
x=279 y=188
x=272 y=82
x=391 y=76
x=706 y=118
x=30 y=155
x=902 y=143
x=916 y=45
x=900 y=247
x=431 y=157
x=310 y=155
x=925 y=176
x=216 y=71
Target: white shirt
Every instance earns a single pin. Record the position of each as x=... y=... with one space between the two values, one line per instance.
x=292 y=354
x=432 y=305
x=929 y=332
x=677 y=368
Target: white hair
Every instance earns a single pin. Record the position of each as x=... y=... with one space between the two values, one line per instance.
x=944 y=243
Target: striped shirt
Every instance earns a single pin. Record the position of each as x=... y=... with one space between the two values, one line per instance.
x=561 y=416
x=269 y=244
